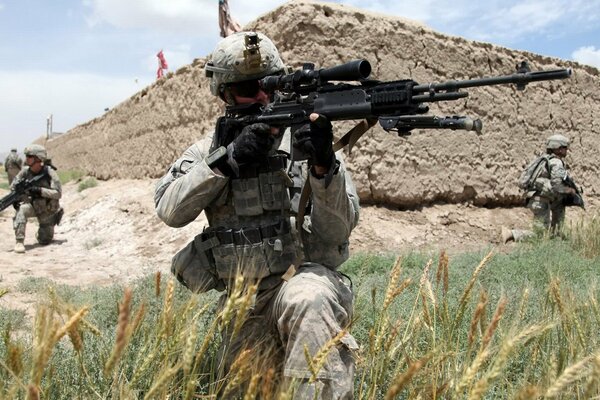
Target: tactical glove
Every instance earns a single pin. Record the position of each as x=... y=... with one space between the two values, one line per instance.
x=252 y=145
x=34 y=191
x=315 y=141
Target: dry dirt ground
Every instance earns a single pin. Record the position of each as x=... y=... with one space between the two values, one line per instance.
x=111 y=234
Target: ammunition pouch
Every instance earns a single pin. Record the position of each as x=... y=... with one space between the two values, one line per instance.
x=261 y=188
x=58 y=216
x=218 y=255
x=252 y=252
x=192 y=267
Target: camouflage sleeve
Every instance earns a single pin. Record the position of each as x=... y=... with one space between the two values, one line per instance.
x=558 y=173
x=188 y=187
x=336 y=208
x=55 y=189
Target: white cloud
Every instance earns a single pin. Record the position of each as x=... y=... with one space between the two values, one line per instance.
x=587 y=55
x=496 y=21
x=179 y=15
x=72 y=99
x=197 y=17
x=1 y=6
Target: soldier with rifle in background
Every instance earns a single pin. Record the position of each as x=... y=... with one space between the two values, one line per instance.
x=35 y=193
x=549 y=189
x=12 y=165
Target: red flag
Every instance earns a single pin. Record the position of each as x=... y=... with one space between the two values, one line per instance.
x=161 y=60
x=162 y=64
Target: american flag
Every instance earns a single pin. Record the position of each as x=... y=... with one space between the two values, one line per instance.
x=226 y=22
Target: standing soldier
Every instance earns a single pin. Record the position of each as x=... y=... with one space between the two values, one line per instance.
x=250 y=188
x=549 y=189
x=12 y=165
x=40 y=201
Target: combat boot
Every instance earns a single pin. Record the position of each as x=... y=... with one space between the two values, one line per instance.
x=507 y=235
x=19 y=247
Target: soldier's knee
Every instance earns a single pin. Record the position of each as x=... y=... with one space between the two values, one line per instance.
x=45 y=234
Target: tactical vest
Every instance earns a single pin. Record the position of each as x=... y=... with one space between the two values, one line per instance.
x=44 y=206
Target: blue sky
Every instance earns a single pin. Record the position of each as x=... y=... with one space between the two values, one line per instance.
x=74 y=58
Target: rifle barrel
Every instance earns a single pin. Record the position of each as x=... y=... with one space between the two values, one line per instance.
x=518 y=78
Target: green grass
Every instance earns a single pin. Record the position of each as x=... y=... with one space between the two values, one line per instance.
x=521 y=325
x=86 y=184
x=70 y=175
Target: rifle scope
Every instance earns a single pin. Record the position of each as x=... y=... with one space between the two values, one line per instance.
x=351 y=71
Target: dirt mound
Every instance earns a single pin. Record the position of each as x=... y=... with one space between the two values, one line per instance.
x=111 y=234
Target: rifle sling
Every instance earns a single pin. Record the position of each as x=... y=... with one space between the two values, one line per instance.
x=352 y=136
x=349 y=139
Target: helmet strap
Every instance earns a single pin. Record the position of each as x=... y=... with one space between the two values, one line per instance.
x=227 y=96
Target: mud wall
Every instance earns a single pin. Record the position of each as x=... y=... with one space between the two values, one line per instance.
x=145 y=133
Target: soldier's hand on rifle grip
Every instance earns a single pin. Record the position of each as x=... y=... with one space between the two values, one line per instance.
x=34 y=191
x=316 y=140
x=252 y=145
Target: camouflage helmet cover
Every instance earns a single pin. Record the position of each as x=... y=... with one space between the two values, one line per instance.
x=242 y=56
x=557 y=141
x=36 y=150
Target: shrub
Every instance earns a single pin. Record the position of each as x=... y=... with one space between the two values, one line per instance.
x=70 y=175
x=86 y=184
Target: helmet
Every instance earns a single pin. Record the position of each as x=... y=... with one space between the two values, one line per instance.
x=36 y=150
x=13 y=150
x=557 y=141
x=240 y=57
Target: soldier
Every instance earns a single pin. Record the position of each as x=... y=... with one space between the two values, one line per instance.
x=12 y=165
x=551 y=189
x=251 y=203
x=41 y=200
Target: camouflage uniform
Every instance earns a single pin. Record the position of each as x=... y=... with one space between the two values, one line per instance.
x=12 y=165
x=547 y=200
x=252 y=231
x=43 y=208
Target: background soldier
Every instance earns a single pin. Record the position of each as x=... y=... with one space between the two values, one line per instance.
x=552 y=189
x=40 y=201
x=250 y=189
x=12 y=165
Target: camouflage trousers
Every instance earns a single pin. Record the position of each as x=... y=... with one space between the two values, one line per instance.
x=547 y=216
x=298 y=319
x=11 y=173
x=45 y=232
